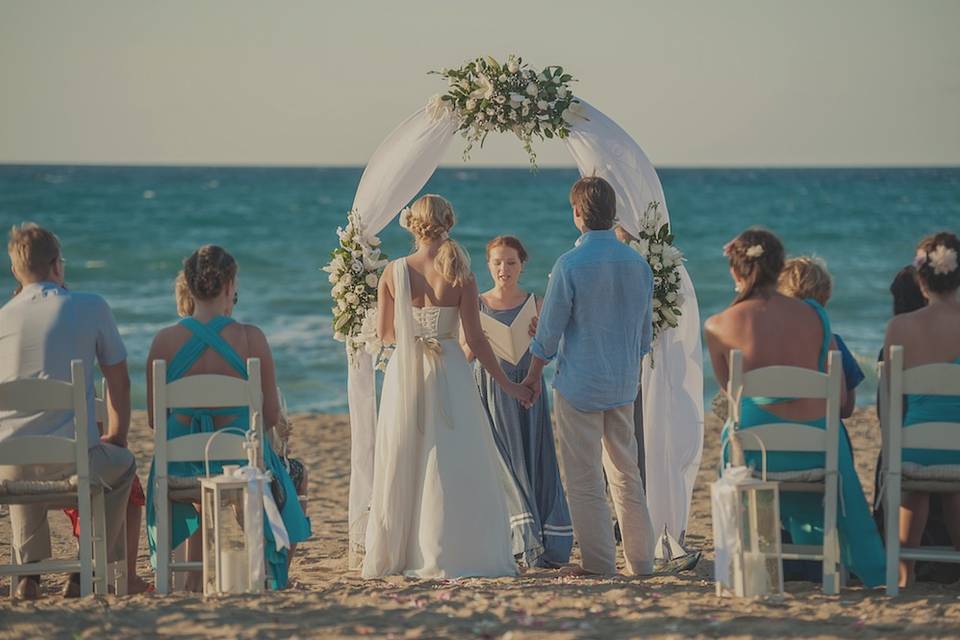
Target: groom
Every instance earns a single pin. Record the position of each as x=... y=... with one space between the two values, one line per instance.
x=597 y=321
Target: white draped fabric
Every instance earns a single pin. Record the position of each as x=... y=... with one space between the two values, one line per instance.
x=672 y=391
x=673 y=388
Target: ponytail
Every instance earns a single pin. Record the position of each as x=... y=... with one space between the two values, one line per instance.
x=453 y=263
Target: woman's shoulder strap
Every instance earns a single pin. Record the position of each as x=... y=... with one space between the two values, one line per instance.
x=827 y=333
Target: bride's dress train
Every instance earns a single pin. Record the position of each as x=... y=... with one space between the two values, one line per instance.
x=438 y=508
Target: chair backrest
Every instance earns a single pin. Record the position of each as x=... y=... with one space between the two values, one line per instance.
x=209 y=392
x=36 y=395
x=788 y=382
x=940 y=379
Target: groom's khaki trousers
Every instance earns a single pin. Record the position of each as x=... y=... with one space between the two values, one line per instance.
x=591 y=443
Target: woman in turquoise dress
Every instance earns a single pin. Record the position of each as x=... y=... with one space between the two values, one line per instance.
x=209 y=341
x=930 y=335
x=770 y=328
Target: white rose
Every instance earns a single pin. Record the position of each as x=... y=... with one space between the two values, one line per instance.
x=655 y=263
x=502 y=78
x=671 y=296
x=543 y=105
x=359 y=289
x=342 y=303
x=501 y=118
x=346 y=280
x=562 y=92
x=672 y=278
x=471 y=104
x=333 y=278
x=357 y=266
x=668 y=316
x=351 y=298
x=480 y=116
x=512 y=65
x=656 y=303
x=643 y=246
x=357 y=253
x=532 y=89
x=525 y=111
x=372 y=280
x=339 y=337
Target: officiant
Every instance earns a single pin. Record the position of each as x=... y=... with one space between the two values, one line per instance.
x=539 y=518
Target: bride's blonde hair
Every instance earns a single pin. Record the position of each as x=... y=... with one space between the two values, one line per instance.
x=431 y=217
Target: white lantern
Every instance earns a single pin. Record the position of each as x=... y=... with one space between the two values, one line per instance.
x=232 y=508
x=746 y=534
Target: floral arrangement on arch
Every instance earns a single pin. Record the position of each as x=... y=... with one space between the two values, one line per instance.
x=655 y=243
x=485 y=95
x=354 y=272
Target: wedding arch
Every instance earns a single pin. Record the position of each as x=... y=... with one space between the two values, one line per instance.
x=403 y=163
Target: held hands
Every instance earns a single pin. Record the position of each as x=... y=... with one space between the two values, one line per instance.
x=520 y=393
x=535 y=388
x=533 y=326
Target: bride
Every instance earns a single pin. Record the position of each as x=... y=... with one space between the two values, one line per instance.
x=438 y=508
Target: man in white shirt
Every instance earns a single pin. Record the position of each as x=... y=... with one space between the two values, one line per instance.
x=42 y=328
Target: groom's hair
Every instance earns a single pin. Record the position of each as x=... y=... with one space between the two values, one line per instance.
x=596 y=201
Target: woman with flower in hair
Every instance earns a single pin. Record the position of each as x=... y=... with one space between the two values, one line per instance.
x=438 y=508
x=770 y=329
x=930 y=335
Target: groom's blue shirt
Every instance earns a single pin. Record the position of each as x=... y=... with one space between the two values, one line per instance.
x=597 y=321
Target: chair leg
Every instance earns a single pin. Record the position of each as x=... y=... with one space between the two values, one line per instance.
x=100 y=558
x=831 y=545
x=162 y=509
x=892 y=532
x=85 y=515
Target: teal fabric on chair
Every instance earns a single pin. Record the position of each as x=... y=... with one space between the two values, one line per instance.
x=184 y=518
x=928 y=408
x=801 y=514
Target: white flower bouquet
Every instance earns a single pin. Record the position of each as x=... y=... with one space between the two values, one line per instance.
x=354 y=272
x=655 y=243
x=485 y=95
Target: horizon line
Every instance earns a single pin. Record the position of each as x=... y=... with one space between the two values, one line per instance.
x=239 y=165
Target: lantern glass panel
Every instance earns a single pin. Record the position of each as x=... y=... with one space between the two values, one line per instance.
x=234 y=564
x=760 y=539
x=209 y=540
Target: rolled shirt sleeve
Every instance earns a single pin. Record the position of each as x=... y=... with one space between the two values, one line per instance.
x=554 y=315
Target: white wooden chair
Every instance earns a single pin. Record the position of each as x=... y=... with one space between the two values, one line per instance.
x=194 y=392
x=942 y=379
x=116 y=570
x=40 y=395
x=797 y=382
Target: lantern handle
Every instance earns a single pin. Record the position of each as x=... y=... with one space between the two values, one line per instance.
x=206 y=449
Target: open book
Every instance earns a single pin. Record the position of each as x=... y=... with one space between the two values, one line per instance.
x=510 y=342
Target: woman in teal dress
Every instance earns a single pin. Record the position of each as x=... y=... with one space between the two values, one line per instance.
x=773 y=329
x=930 y=335
x=209 y=341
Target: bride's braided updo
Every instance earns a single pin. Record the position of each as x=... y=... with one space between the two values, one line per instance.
x=431 y=218
x=208 y=271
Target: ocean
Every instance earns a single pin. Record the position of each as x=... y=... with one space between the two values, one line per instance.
x=125 y=231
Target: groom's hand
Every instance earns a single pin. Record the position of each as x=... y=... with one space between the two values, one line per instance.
x=533 y=326
x=535 y=388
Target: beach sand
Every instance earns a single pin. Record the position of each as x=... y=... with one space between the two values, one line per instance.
x=327 y=600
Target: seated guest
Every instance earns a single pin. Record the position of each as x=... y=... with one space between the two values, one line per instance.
x=770 y=328
x=930 y=335
x=540 y=519
x=807 y=277
x=42 y=329
x=209 y=341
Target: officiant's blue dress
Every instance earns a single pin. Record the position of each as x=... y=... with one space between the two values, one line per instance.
x=801 y=514
x=184 y=518
x=539 y=517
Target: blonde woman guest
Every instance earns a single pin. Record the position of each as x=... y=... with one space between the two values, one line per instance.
x=805 y=278
x=930 y=335
x=540 y=519
x=770 y=328
x=209 y=341
x=438 y=508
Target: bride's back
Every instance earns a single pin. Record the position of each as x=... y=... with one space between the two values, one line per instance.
x=428 y=287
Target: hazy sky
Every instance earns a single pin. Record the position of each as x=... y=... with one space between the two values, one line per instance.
x=322 y=83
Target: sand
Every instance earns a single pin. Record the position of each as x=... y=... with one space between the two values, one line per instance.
x=327 y=600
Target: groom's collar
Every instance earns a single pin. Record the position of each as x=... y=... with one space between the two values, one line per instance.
x=594 y=234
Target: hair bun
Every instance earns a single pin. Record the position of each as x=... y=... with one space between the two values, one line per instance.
x=208 y=271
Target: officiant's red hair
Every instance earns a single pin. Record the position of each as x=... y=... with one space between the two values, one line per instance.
x=431 y=218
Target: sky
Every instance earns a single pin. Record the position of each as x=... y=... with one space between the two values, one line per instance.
x=733 y=83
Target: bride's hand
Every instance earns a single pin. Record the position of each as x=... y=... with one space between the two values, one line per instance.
x=520 y=393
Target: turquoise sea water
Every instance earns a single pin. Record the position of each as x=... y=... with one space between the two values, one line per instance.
x=125 y=231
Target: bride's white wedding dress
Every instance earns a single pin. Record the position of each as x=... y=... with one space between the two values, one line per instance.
x=438 y=508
